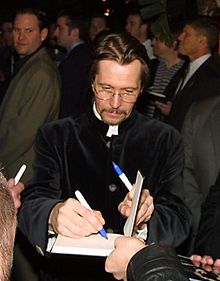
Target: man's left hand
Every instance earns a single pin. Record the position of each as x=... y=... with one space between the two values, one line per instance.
x=145 y=207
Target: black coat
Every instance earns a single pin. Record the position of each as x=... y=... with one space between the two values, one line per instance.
x=207 y=239
x=74 y=73
x=204 y=83
x=75 y=154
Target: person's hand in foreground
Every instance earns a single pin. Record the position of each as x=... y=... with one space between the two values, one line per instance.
x=125 y=248
x=207 y=262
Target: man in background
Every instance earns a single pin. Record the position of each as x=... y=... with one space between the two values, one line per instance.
x=139 y=29
x=33 y=95
x=32 y=99
x=98 y=24
x=201 y=80
x=71 y=34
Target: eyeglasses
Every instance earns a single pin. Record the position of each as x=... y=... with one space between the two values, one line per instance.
x=106 y=93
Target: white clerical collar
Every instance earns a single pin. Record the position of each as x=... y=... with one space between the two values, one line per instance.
x=112 y=130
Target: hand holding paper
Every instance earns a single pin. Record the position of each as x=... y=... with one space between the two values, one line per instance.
x=96 y=245
x=145 y=207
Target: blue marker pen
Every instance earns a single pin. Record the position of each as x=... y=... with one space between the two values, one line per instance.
x=122 y=176
x=82 y=200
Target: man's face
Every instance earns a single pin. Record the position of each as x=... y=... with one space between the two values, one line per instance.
x=118 y=78
x=160 y=49
x=7 y=35
x=96 y=26
x=189 y=42
x=27 y=35
x=63 y=34
x=133 y=26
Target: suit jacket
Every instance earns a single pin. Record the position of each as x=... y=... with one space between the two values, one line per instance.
x=76 y=154
x=207 y=239
x=31 y=100
x=75 y=81
x=204 y=82
x=201 y=137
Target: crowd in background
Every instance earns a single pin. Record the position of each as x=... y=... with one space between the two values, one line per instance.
x=46 y=72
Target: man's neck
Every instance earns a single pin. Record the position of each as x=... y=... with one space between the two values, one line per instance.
x=198 y=55
x=171 y=59
x=73 y=44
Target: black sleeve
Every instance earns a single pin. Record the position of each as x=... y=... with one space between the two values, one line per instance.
x=207 y=239
x=155 y=261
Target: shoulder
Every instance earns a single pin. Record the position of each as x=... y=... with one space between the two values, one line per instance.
x=62 y=129
x=158 y=131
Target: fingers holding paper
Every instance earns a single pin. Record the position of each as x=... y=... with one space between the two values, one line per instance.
x=72 y=219
x=145 y=206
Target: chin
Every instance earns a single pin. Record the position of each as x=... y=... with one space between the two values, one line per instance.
x=112 y=122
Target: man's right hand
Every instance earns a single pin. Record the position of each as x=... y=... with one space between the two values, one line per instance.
x=72 y=219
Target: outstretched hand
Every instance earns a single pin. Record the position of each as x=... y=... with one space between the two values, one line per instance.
x=207 y=262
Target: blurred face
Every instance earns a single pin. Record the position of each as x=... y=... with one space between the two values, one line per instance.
x=7 y=35
x=159 y=48
x=62 y=33
x=190 y=42
x=133 y=26
x=118 y=78
x=27 y=35
x=96 y=26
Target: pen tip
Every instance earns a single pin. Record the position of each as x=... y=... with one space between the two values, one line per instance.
x=103 y=233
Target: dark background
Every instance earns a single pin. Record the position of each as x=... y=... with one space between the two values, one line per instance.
x=118 y=8
x=83 y=7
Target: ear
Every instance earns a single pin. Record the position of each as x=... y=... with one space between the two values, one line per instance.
x=203 y=41
x=43 y=34
x=93 y=87
x=75 y=32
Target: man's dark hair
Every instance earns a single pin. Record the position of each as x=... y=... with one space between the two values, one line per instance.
x=7 y=227
x=123 y=49
x=75 y=21
x=134 y=10
x=102 y=16
x=208 y=27
x=40 y=15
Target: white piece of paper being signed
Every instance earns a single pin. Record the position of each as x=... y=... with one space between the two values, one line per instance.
x=96 y=245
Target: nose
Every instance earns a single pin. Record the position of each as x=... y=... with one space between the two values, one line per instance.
x=127 y=27
x=180 y=38
x=21 y=35
x=115 y=101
